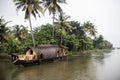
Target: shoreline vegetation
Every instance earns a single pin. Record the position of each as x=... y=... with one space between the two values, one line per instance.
x=89 y=52
x=5 y=57
x=73 y=34
x=86 y=53
x=82 y=37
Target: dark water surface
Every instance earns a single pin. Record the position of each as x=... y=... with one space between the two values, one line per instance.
x=106 y=67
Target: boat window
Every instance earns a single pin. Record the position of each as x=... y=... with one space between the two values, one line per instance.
x=41 y=56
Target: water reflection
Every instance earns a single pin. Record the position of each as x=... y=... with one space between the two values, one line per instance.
x=6 y=69
x=110 y=69
x=75 y=68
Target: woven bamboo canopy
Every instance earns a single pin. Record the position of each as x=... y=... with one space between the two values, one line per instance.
x=47 y=51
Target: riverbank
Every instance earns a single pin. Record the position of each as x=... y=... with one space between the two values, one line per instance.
x=4 y=56
x=72 y=53
x=89 y=52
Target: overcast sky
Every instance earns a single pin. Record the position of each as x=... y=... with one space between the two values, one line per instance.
x=104 y=14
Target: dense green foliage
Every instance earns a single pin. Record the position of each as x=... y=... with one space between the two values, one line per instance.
x=16 y=38
x=33 y=7
x=53 y=7
x=30 y=7
x=75 y=36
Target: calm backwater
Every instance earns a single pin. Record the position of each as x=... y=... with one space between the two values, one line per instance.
x=106 y=67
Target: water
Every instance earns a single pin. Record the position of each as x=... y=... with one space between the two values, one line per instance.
x=75 y=68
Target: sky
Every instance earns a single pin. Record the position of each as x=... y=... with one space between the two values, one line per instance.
x=104 y=14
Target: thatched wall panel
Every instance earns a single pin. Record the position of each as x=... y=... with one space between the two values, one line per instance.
x=48 y=51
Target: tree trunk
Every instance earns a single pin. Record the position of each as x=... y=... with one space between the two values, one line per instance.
x=53 y=25
x=33 y=39
x=61 y=38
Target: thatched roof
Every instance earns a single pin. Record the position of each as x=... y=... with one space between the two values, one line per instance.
x=48 y=46
x=48 y=51
x=37 y=50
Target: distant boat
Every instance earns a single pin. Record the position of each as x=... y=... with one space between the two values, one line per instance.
x=39 y=54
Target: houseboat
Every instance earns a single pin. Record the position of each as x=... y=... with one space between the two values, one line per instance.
x=39 y=54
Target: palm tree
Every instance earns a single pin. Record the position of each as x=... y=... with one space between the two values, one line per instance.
x=17 y=32
x=63 y=24
x=29 y=7
x=20 y=33
x=89 y=31
x=4 y=34
x=89 y=28
x=53 y=7
x=3 y=30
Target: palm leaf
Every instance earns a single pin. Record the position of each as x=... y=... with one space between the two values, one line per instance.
x=51 y=4
x=58 y=8
x=24 y=8
x=33 y=13
x=63 y=31
x=27 y=14
x=68 y=26
x=39 y=8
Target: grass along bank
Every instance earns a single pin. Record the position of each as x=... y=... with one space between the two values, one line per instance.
x=4 y=56
x=96 y=52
